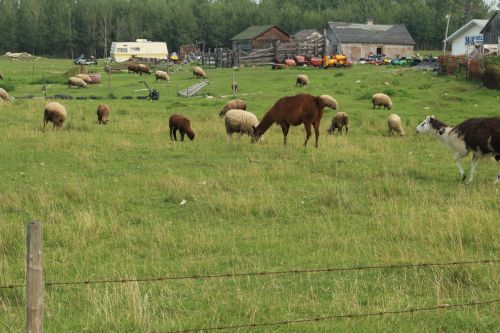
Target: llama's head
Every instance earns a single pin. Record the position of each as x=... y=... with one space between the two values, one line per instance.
x=425 y=126
x=255 y=135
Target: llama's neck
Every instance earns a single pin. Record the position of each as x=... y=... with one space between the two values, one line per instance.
x=450 y=139
x=264 y=124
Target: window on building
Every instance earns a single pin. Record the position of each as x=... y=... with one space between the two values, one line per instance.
x=122 y=50
x=379 y=50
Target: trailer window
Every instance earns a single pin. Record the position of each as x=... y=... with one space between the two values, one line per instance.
x=122 y=50
x=135 y=49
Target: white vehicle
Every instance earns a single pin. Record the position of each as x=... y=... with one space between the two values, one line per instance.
x=141 y=48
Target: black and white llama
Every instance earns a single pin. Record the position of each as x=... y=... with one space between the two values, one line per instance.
x=481 y=136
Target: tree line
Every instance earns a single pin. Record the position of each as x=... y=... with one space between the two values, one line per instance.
x=66 y=28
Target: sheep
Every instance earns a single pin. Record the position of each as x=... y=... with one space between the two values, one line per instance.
x=381 y=100
x=394 y=124
x=161 y=75
x=143 y=69
x=302 y=80
x=234 y=87
x=84 y=77
x=181 y=123
x=240 y=121
x=133 y=67
x=329 y=101
x=4 y=95
x=102 y=114
x=339 y=120
x=233 y=104
x=74 y=81
x=199 y=72
x=55 y=113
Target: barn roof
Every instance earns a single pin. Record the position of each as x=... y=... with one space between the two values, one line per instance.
x=468 y=25
x=255 y=31
x=371 y=33
x=305 y=33
x=488 y=23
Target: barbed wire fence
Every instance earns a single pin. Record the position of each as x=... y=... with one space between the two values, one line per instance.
x=34 y=286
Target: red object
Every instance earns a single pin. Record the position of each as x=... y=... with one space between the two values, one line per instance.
x=95 y=78
x=290 y=62
x=300 y=60
x=316 y=62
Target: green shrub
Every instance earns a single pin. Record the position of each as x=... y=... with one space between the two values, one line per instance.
x=390 y=91
x=7 y=85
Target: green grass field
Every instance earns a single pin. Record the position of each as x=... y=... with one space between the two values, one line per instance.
x=109 y=198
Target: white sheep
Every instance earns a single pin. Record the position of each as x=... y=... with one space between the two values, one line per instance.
x=4 y=96
x=240 y=121
x=380 y=99
x=329 y=101
x=161 y=75
x=394 y=124
x=233 y=104
x=75 y=81
x=55 y=113
x=199 y=72
x=302 y=80
x=84 y=77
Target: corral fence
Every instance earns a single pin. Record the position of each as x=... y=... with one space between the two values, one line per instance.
x=35 y=286
x=485 y=69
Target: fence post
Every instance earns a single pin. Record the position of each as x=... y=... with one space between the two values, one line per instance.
x=34 y=279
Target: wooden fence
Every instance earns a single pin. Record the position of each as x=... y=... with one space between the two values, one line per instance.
x=484 y=69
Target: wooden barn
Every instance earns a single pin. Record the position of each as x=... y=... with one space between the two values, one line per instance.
x=259 y=37
x=360 y=40
x=491 y=33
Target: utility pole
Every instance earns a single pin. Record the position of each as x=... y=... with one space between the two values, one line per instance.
x=446 y=34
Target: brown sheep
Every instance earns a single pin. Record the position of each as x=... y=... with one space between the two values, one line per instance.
x=4 y=95
x=133 y=67
x=199 y=72
x=181 y=123
x=293 y=110
x=143 y=69
x=339 y=120
x=233 y=104
x=381 y=100
x=302 y=80
x=103 y=114
x=55 y=113
x=74 y=81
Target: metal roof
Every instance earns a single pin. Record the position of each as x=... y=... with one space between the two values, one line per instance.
x=255 y=31
x=468 y=25
x=371 y=33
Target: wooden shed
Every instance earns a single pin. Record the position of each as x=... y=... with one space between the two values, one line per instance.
x=360 y=40
x=491 y=32
x=259 y=37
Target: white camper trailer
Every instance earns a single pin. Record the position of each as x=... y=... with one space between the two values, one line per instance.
x=141 y=48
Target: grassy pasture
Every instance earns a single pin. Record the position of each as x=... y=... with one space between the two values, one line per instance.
x=109 y=197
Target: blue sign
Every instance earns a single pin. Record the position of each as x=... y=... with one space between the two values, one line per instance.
x=474 y=40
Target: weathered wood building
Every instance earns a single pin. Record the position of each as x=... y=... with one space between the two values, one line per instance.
x=307 y=35
x=360 y=40
x=259 y=37
x=491 y=31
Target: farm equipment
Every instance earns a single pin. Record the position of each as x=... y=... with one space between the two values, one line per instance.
x=154 y=94
x=81 y=60
x=300 y=60
x=338 y=60
x=316 y=61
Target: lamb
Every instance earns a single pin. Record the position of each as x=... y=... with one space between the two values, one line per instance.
x=55 y=113
x=394 y=124
x=293 y=110
x=302 y=80
x=85 y=78
x=481 y=136
x=74 y=81
x=234 y=87
x=199 y=72
x=233 y=104
x=102 y=114
x=143 y=69
x=161 y=75
x=240 y=121
x=381 y=100
x=329 y=101
x=181 y=123
x=339 y=120
x=4 y=95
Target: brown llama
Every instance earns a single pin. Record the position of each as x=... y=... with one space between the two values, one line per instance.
x=293 y=110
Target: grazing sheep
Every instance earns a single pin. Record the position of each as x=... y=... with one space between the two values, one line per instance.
x=233 y=104
x=394 y=124
x=103 y=114
x=55 y=113
x=4 y=95
x=161 y=75
x=293 y=110
x=133 y=67
x=481 y=136
x=181 y=123
x=234 y=87
x=199 y=72
x=74 y=81
x=339 y=120
x=143 y=69
x=240 y=121
x=329 y=101
x=85 y=78
x=302 y=80
x=381 y=100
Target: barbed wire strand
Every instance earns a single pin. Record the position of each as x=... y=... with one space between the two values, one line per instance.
x=262 y=273
x=340 y=316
